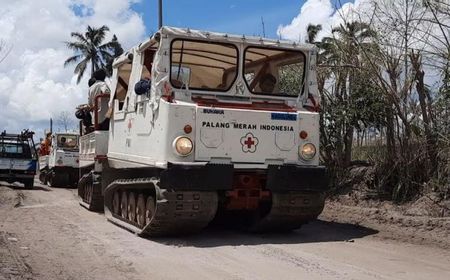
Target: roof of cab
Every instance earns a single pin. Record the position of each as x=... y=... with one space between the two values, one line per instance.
x=176 y=32
x=216 y=36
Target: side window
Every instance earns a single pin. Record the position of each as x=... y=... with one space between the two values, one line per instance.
x=123 y=78
x=180 y=75
x=149 y=54
x=143 y=81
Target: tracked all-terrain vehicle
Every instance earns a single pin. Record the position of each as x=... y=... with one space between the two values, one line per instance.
x=18 y=158
x=225 y=128
x=58 y=167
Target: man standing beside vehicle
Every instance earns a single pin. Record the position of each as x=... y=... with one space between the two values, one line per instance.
x=98 y=88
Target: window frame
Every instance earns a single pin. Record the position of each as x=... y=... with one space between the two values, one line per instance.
x=284 y=95
x=210 y=43
x=114 y=95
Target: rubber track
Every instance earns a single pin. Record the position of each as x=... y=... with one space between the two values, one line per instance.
x=289 y=211
x=96 y=202
x=176 y=212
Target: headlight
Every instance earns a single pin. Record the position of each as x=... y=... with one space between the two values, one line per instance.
x=60 y=161
x=183 y=146
x=307 y=151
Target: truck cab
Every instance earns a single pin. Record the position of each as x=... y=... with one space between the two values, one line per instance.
x=60 y=166
x=18 y=158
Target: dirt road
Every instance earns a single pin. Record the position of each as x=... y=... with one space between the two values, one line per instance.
x=45 y=234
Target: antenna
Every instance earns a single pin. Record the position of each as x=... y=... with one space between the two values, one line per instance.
x=160 y=15
x=263 y=27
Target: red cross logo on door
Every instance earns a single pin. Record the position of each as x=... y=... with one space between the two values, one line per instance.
x=130 y=124
x=249 y=143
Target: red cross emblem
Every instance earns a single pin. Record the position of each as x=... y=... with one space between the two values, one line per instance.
x=130 y=124
x=249 y=143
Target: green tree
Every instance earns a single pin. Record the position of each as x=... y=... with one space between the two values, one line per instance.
x=341 y=54
x=116 y=51
x=312 y=31
x=90 y=49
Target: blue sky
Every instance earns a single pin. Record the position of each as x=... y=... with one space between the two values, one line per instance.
x=232 y=16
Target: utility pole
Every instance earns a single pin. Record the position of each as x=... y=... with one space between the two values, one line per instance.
x=160 y=16
x=263 y=27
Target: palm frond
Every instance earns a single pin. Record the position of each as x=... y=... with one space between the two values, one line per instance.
x=99 y=35
x=77 y=46
x=81 y=68
x=79 y=37
x=72 y=59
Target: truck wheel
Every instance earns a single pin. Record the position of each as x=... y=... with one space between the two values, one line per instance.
x=43 y=177
x=50 y=179
x=29 y=183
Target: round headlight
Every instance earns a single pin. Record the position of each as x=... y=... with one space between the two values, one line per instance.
x=183 y=146
x=60 y=161
x=307 y=151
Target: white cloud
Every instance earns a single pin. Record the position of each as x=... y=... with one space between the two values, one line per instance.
x=312 y=12
x=34 y=85
x=319 y=12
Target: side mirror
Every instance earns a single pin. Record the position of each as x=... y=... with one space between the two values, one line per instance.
x=142 y=87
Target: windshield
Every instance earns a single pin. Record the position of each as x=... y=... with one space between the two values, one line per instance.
x=16 y=150
x=203 y=65
x=274 y=72
x=67 y=141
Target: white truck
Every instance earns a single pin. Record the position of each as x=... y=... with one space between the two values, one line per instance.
x=59 y=168
x=18 y=158
x=207 y=126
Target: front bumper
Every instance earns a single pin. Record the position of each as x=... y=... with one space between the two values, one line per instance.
x=194 y=177
x=278 y=178
x=295 y=177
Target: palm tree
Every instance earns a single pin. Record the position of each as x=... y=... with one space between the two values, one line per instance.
x=312 y=31
x=116 y=51
x=89 y=48
x=342 y=52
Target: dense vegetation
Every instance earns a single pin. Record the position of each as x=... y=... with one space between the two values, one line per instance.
x=384 y=80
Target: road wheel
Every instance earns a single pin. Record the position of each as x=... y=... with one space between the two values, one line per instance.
x=116 y=203
x=123 y=205
x=88 y=193
x=132 y=207
x=43 y=177
x=140 y=211
x=149 y=209
x=50 y=179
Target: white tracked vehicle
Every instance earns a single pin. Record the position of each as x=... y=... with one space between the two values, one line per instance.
x=228 y=129
x=59 y=167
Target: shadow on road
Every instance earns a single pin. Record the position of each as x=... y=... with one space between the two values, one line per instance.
x=317 y=231
x=16 y=186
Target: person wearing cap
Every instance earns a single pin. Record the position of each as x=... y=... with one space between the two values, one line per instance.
x=98 y=87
